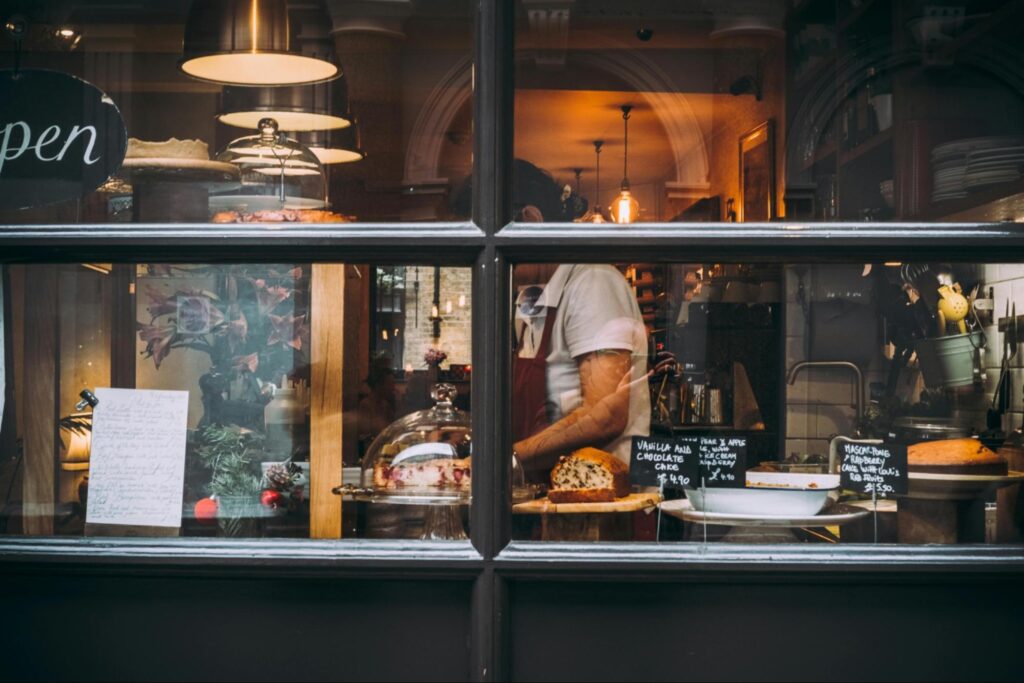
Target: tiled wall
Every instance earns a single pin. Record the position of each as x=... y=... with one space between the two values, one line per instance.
x=820 y=403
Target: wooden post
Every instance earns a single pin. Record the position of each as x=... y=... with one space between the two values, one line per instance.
x=42 y=335
x=327 y=313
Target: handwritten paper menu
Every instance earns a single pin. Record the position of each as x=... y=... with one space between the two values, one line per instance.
x=137 y=463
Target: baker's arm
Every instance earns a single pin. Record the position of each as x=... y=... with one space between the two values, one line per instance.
x=602 y=416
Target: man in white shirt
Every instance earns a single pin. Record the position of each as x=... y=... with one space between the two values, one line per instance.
x=581 y=353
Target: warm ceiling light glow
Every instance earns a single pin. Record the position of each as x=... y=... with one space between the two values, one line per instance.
x=247 y=42
x=625 y=209
x=286 y=171
x=321 y=106
x=289 y=120
x=328 y=155
x=339 y=146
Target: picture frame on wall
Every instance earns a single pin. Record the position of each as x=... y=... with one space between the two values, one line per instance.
x=757 y=174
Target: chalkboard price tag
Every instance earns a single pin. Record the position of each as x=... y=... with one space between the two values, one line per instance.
x=723 y=461
x=671 y=463
x=873 y=468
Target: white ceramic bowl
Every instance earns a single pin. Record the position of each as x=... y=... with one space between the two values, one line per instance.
x=767 y=500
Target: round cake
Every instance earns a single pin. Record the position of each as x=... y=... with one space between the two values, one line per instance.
x=168 y=149
x=955 y=456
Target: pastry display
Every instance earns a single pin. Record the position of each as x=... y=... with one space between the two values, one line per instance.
x=167 y=149
x=435 y=473
x=955 y=456
x=280 y=216
x=425 y=455
x=588 y=475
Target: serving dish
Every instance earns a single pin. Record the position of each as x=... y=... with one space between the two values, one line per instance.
x=834 y=516
x=778 y=494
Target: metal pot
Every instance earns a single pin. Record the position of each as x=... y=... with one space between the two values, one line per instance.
x=911 y=430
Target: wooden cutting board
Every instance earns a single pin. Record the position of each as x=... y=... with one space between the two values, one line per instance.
x=631 y=503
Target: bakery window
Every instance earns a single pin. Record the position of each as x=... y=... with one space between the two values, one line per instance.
x=757 y=111
x=706 y=402
x=261 y=112
x=299 y=400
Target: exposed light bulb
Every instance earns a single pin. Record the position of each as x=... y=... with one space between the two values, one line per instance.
x=384 y=335
x=625 y=209
x=434 y=312
x=462 y=300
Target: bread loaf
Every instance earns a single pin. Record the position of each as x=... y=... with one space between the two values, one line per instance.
x=954 y=456
x=588 y=475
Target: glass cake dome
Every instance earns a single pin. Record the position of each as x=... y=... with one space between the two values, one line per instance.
x=277 y=173
x=424 y=456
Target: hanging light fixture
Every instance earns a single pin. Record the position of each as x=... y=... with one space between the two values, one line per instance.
x=321 y=106
x=595 y=213
x=247 y=42
x=625 y=208
x=337 y=146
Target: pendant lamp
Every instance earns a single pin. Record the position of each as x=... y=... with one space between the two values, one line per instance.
x=595 y=214
x=247 y=42
x=625 y=208
x=320 y=106
x=337 y=146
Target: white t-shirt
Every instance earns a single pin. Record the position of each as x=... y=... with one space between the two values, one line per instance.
x=596 y=310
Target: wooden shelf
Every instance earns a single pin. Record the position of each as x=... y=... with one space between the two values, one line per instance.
x=863 y=148
x=989 y=204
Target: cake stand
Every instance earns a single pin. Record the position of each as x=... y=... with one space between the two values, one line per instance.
x=442 y=511
x=176 y=190
x=947 y=508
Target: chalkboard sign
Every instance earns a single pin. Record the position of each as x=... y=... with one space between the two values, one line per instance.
x=873 y=468
x=723 y=461
x=60 y=138
x=671 y=463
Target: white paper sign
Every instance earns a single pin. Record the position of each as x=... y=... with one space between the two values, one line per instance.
x=137 y=462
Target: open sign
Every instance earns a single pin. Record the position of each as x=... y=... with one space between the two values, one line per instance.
x=60 y=138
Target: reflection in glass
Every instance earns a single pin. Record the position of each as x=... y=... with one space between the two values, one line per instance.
x=877 y=110
x=784 y=382
x=238 y=342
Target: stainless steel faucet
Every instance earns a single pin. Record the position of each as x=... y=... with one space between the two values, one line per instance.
x=797 y=367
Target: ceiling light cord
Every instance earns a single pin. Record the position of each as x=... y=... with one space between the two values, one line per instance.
x=626 y=109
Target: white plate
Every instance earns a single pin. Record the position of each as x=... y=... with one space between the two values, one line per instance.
x=840 y=514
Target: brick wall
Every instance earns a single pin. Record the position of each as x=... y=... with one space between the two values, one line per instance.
x=456 y=328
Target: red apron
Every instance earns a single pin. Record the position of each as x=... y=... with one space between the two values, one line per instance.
x=530 y=385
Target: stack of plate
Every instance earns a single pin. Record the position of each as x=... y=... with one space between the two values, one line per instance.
x=995 y=165
x=963 y=165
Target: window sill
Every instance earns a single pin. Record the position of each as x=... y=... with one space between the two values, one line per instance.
x=373 y=557
x=667 y=560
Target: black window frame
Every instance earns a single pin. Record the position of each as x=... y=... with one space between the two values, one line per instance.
x=491 y=244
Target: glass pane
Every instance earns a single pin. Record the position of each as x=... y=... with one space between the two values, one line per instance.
x=759 y=110
x=369 y=107
x=245 y=400
x=769 y=403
